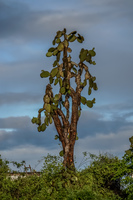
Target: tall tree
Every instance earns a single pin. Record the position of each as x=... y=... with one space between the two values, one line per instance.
x=64 y=108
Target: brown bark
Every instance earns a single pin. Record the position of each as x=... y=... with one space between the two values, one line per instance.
x=67 y=131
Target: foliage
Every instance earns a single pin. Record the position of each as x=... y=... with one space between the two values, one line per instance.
x=94 y=182
x=56 y=107
x=61 y=75
x=106 y=178
x=4 y=169
x=127 y=171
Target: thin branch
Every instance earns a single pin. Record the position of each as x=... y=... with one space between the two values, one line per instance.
x=60 y=113
x=66 y=104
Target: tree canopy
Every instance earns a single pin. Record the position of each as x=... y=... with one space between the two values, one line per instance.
x=57 y=107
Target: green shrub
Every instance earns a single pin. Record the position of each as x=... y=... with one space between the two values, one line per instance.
x=94 y=182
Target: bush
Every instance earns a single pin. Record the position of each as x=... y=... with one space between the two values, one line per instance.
x=97 y=181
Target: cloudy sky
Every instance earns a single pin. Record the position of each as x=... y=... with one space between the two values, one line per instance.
x=27 y=28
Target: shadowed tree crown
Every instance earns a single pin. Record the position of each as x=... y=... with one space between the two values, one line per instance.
x=56 y=108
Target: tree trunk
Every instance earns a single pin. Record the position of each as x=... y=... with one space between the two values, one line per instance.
x=67 y=132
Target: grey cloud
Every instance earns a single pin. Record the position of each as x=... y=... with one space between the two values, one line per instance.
x=117 y=107
x=29 y=24
x=92 y=124
x=23 y=76
x=24 y=133
x=33 y=155
x=114 y=143
x=18 y=20
x=10 y=17
x=15 y=122
x=19 y=98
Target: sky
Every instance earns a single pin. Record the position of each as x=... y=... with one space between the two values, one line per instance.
x=27 y=28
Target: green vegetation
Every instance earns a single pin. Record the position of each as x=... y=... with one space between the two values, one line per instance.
x=105 y=178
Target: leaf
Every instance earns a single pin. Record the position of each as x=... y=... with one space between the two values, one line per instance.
x=131 y=139
x=59 y=34
x=58 y=56
x=60 y=81
x=93 y=62
x=95 y=86
x=54 y=72
x=83 y=100
x=48 y=107
x=54 y=107
x=39 y=128
x=58 y=40
x=44 y=74
x=93 y=78
x=89 y=91
x=92 y=52
x=74 y=69
x=58 y=74
x=34 y=119
x=62 y=90
x=80 y=38
x=46 y=121
x=38 y=121
x=84 y=83
x=46 y=113
x=56 y=137
x=73 y=32
x=83 y=55
x=43 y=127
x=61 y=153
x=90 y=82
x=50 y=120
x=88 y=58
x=60 y=46
x=49 y=54
x=128 y=152
x=53 y=42
x=69 y=50
x=56 y=81
x=51 y=49
x=55 y=63
x=72 y=38
x=51 y=80
x=55 y=52
x=55 y=102
x=57 y=96
x=89 y=104
x=93 y=101
x=69 y=91
x=46 y=98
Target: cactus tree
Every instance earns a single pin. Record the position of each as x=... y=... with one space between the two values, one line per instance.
x=56 y=108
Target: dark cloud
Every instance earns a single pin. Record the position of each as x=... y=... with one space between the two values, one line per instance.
x=23 y=76
x=10 y=17
x=18 y=20
x=20 y=98
x=91 y=126
x=23 y=132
